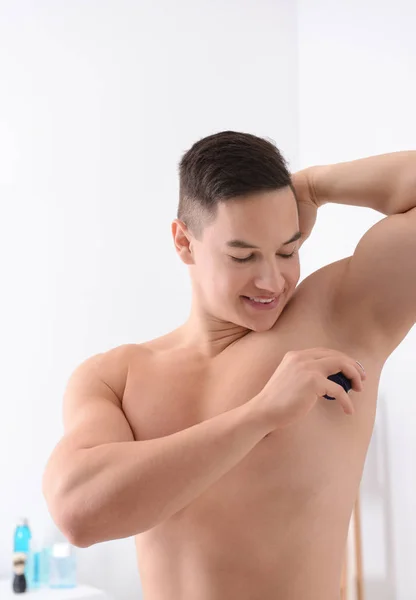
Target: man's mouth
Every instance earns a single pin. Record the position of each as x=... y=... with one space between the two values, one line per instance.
x=262 y=302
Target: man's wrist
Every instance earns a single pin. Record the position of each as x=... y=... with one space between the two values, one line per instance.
x=318 y=177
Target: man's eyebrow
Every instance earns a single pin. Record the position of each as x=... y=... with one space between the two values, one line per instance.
x=243 y=244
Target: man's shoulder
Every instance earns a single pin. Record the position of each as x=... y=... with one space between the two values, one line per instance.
x=112 y=365
x=116 y=365
x=120 y=355
x=329 y=275
x=345 y=322
x=317 y=294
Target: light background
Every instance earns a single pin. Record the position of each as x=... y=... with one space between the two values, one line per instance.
x=98 y=101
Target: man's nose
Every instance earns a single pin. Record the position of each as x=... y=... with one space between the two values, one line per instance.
x=270 y=279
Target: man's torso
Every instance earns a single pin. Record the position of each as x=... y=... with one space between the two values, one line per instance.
x=275 y=526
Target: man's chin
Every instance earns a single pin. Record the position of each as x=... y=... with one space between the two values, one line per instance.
x=264 y=327
x=258 y=325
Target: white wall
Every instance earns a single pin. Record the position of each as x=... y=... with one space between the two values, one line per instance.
x=98 y=101
x=357 y=97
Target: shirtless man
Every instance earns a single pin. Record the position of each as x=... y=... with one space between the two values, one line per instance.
x=214 y=444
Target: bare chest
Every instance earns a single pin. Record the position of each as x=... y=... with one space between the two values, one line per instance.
x=175 y=392
x=289 y=501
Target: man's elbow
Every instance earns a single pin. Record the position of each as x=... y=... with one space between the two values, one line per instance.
x=67 y=515
x=71 y=524
x=72 y=528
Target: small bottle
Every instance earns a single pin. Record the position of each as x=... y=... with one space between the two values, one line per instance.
x=19 y=579
x=22 y=537
x=33 y=565
x=62 y=566
x=43 y=570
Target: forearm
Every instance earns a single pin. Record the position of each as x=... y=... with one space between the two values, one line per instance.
x=385 y=183
x=121 y=489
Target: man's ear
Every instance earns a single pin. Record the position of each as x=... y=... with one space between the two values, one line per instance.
x=182 y=238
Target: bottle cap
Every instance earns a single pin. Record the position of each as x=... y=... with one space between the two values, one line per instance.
x=22 y=521
x=61 y=550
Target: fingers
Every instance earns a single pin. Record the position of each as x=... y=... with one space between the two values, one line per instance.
x=352 y=371
x=335 y=363
x=336 y=391
x=362 y=368
x=321 y=352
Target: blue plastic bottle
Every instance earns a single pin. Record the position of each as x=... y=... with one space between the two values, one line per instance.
x=22 y=537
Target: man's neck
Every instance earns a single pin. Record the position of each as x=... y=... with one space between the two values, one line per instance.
x=210 y=337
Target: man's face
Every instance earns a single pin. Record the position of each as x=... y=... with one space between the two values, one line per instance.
x=226 y=275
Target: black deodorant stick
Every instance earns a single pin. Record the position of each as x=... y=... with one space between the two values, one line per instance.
x=340 y=379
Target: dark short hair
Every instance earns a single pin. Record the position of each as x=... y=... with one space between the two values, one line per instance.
x=226 y=165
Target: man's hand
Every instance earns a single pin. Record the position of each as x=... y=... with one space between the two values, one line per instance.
x=308 y=204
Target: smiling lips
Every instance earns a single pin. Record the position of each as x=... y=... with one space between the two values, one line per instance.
x=262 y=302
x=261 y=299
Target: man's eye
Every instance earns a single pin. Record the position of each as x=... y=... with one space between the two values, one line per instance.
x=243 y=260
